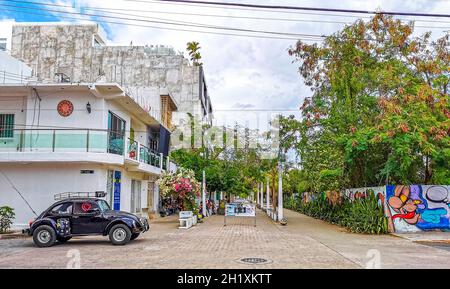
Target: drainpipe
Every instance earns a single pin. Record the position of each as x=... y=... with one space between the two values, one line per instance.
x=161 y=159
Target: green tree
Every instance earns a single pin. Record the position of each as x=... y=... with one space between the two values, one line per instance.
x=379 y=112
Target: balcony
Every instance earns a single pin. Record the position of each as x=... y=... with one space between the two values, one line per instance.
x=144 y=157
x=78 y=145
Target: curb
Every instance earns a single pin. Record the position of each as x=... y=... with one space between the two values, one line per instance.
x=13 y=235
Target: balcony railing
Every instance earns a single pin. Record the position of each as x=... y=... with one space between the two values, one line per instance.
x=63 y=140
x=82 y=140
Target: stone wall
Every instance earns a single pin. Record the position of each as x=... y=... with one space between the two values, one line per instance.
x=70 y=49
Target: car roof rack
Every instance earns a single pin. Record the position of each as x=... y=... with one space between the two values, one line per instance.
x=74 y=195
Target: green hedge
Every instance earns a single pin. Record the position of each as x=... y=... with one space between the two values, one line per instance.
x=358 y=216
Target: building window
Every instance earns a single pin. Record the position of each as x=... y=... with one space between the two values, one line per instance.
x=3 y=44
x=6 y=125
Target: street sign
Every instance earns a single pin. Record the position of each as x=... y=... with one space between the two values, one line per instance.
x=240 y=210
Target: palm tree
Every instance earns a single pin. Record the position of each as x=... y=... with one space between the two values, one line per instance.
x=194 y=52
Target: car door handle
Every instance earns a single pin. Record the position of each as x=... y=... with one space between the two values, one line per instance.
x=75 y=217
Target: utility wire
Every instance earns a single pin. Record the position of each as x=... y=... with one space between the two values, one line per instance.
x=255 y=9
x=17 y=190
x=277 y=7
x=108 y=9
x=170 y=23
x=161 y=28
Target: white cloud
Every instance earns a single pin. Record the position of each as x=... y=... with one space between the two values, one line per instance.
x=247 y=72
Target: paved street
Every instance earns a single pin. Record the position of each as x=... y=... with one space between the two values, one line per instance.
x=303 y=243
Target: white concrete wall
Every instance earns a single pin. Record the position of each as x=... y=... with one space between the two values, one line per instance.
x=13 y=70
x=80 y=118
x=39 y=182
x=6 y=31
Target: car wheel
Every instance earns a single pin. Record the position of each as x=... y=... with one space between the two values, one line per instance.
x=119 y=234
x=44 y=236
x=134 y=236
x=63 y=239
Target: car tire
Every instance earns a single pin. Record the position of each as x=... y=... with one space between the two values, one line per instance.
x=44 y=236
x=120 y=234
x=63 y=239
x=134 y=236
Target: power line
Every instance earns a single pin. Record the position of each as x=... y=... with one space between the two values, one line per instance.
x=163 y=28
x=261 y=10
x=171 y=23
x=277 y=7
x=108 y=10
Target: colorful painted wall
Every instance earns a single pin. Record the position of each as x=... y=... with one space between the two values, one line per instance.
x=418 y=208
x=412 y=208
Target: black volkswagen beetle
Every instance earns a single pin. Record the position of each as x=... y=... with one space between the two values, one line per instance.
x=78 y=216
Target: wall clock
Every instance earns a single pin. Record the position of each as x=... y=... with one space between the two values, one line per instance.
x=65 y=108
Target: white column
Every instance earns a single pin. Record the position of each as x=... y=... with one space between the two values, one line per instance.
x=267 y=193
x=257 y=196
x=280 y=194
x=204 y=195
x=155 y=198
x=261 y=184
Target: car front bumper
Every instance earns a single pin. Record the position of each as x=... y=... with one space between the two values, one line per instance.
x=142 y=226
x=26 y=232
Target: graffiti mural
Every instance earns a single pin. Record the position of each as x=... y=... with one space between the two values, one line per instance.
x=308 y=197
x=417 y=208
x=333 y=197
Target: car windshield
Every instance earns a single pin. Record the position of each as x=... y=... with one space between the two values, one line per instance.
x=103 y=205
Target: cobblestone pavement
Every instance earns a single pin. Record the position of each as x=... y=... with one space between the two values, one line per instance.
x=303 y=243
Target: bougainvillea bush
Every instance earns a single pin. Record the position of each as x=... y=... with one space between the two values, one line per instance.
x=182 y=187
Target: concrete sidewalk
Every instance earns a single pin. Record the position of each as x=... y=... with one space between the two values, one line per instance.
x=363 y=250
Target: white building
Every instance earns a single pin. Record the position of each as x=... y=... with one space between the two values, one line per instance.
x=78 y=137
x=82 y=53
x=13 y=70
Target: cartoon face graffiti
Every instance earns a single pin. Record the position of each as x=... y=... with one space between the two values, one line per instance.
x=404 y=206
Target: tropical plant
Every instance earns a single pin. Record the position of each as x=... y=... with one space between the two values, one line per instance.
x=358 y=216
x=7 y=216
x=193 y=49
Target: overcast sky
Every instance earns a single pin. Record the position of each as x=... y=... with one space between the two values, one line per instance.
x=243 y=73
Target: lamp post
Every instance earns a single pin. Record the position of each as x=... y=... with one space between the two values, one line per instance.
x=203 y=193
x=280 y=191
x=257 y=195
x=267 y=193
x=261 y=200
x=203 y=154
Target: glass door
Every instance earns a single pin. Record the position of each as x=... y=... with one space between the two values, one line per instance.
x=116 y=134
